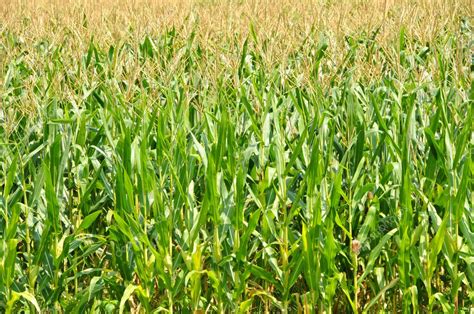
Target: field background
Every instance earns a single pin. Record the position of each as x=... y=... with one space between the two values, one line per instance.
x=236 y=156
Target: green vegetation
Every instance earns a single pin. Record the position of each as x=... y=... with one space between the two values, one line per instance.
x=160 y=175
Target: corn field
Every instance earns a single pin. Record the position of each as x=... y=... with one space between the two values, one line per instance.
x=223 y=156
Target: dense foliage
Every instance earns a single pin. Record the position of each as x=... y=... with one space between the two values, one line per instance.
x=166 y=175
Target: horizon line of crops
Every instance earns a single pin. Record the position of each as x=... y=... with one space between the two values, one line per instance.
x=145 y=178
